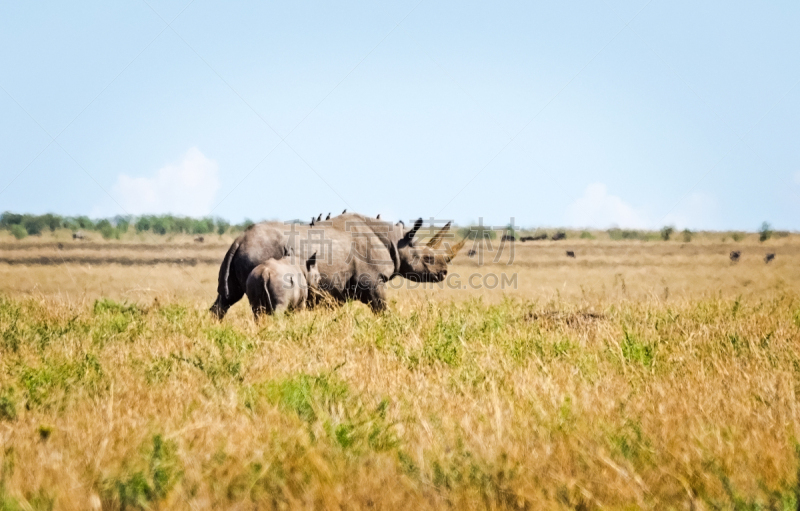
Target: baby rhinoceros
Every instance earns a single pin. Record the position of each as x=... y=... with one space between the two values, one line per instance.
x=278 y=285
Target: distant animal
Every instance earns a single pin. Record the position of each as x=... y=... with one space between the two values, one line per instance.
x=61 y=246
x=344 y=211
x=735 y=255
x=312 y=221
x=769 y=258
x=328 y=217
x=560 y=235
x=471 y=253
x=199 y=239
x=78 y=236
x=378 y=217
x=570 y=253
x=508 y=237
x=538 y=237
x=319 y=218
x=345 y=272
x=277 y=285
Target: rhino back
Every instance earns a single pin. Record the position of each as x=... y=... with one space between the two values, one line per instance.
x=259 y=243
x=347 y=249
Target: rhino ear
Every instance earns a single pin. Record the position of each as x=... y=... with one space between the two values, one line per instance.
x=311 y=262
x=411 y=232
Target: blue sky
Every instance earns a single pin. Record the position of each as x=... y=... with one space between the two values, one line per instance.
x=637 y=114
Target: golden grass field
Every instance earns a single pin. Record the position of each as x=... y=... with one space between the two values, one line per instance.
x=638 y=375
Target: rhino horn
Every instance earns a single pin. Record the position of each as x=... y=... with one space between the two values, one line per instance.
x=436 y=241
x=453 y=250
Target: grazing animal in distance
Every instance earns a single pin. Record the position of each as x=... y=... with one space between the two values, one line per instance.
x=78 y=236
x=560 y=235
x=769 y=258
x=508 y=237
x=471 y=253
x=199 y=239
x=328 y=217
x=735 y=255
x=570 y=253
x=277 y=285
x=538 y=237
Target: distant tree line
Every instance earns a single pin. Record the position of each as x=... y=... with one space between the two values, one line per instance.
x=22 y=225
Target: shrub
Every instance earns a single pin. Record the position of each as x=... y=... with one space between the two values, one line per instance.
x=737 y=236
x=687 y=235
x=122 y=223
x=765 y=232
x=52 y=221
x=666 y=232
x=8 y=219
x=222 y=226
x=33 y=224
x=586 y=235
x=84 y=222
x=626 y=234
x=143 y=224
x=18 y=231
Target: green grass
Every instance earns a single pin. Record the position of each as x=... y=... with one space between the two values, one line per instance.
x=464 y=405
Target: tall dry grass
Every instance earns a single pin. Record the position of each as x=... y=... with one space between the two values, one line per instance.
x=467 y=405
x=638 y=375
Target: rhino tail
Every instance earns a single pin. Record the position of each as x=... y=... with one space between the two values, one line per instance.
x=266 y=292
x=225 y=270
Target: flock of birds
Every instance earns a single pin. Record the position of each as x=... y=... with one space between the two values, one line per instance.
x=319 y=218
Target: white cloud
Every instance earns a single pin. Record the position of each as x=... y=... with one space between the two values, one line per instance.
x=596 y=208
x=185 y=188
x=698 y=211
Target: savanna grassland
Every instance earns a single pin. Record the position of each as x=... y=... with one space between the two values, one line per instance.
x=638 y=375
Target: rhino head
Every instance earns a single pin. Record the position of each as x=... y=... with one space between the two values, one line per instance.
x=425 y=263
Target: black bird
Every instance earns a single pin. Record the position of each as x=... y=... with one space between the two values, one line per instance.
x=312 y=221
x=344 y=211
x=378 y=217
x=319 y=218
x=328 y=217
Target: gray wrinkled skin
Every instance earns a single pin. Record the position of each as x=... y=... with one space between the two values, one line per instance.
x=280 y=285
x=356 y=257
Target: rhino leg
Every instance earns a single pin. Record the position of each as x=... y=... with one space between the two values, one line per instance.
x=221 y=305
x=373 y=294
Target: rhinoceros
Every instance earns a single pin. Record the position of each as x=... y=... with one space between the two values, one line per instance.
x=356 y=256
x=278 y=285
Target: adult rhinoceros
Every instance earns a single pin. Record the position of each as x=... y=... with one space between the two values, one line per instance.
x=356 y=256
